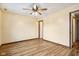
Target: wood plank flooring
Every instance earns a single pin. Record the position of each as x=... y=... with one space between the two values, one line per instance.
x=75 y=49
x=35 y=47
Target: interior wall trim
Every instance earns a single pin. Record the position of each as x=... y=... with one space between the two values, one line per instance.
x=70 y=35
x=20 y=41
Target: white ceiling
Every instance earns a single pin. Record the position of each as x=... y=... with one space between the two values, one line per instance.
x=17 y=7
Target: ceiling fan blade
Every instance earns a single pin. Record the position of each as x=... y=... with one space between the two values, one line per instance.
x=43 y=9
x=39 y=13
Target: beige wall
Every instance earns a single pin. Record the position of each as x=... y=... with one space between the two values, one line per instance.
x=18 y=27
x=0 y=28
x=56 y=26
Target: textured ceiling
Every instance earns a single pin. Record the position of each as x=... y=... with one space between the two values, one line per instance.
x=18 y=7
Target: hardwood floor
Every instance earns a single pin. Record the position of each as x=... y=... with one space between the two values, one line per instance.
x=36 y=47
x=75 y=49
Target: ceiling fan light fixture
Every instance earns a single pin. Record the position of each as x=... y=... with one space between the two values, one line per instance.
x=34 y=6
x=36 y=10
x=34 y=13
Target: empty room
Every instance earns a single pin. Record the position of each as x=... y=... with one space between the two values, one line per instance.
x=39 y=29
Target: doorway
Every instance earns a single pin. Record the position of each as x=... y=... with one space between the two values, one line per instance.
x=40 y=29
x=77 y=26
x=74 y=28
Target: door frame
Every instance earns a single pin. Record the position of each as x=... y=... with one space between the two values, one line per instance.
x=71 y=28
x=39 y=24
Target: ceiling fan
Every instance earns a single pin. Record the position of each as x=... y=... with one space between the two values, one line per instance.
x=36 y=9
